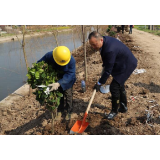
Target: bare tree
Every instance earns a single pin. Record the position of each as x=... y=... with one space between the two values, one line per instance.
x=55 y=34
x=84 y=48
x=24 y=53
x=74 y=41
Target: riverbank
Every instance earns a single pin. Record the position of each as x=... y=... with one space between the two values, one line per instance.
x=32 y=34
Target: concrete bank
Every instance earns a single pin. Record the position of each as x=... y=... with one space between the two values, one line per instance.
x=20 y=92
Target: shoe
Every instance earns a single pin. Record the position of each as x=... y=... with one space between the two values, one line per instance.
x=114 y=111
x=111 y=115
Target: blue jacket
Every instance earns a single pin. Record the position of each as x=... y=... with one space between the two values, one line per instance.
x=69 y=76
x=117 y=59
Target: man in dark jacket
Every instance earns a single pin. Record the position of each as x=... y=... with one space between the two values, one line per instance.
x=62 y=60
x=119 y=62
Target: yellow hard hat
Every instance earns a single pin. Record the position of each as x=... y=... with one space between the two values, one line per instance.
x=61 y=55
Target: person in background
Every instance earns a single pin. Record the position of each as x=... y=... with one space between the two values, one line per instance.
x=64 y=63
x=122 y=29
x=130 y=31
x=119 y=62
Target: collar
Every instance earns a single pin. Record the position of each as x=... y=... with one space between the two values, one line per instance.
x=103 y=44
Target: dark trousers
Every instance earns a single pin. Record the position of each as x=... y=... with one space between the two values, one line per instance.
x=130 y=31
x=66 y=100
x=116 y=89
x=122 y=28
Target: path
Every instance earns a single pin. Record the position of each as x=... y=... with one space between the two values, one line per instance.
x=149 y=43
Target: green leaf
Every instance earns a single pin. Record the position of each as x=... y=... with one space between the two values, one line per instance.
x=37 y=74
x=58 y=101
x=53 y=108
x=41 y=70
x=29 y=76
x=32 y=71
x=43 y=75
x=53 y=100
x=59 y=94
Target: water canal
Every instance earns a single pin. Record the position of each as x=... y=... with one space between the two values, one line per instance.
x=12 y=64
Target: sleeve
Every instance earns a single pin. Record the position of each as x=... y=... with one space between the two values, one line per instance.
x=68 y=76
x=46 y=57
x=109 y=61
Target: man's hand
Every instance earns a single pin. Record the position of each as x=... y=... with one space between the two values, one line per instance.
x=97 y=87
x=54 y=86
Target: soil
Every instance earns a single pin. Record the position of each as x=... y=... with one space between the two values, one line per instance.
x=26 y=117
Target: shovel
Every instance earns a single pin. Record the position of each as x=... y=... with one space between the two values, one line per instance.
x=80 y=126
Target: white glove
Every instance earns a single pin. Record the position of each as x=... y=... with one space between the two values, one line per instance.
x=54 y=86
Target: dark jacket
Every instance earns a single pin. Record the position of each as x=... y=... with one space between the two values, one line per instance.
x=68 y=71
x=117 y=59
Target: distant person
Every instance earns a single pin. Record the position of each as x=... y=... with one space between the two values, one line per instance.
x=122 y=29
x=64 y=63
x=119 y=62
x=130 y=31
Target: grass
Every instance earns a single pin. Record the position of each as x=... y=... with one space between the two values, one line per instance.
x=50 y=29
x=53 y=28
x=142 y=28
x=6 y=34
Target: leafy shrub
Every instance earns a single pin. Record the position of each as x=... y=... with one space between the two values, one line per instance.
x=109 y=28
x=43 y=74
x=112 y=33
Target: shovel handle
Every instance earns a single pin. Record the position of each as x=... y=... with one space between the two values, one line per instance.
x=90 y=102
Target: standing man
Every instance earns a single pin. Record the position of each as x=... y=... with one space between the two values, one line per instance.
x=64 y=63
x=122 y=29
x=118 y=61
x=130 y=31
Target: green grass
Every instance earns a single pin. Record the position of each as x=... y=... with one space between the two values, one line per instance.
x=6 y=34
x=41 y=30
x=53 y=28
x=142 y=28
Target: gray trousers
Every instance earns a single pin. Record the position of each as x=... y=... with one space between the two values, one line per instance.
x=66 y=101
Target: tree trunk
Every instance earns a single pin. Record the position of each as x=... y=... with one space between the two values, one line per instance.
x=74 y=42
x=150 y=27
x=25 y=57
x=52 y=122
x=84 y=48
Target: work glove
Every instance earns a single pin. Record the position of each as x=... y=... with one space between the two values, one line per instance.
x=97 y=87
x=54 y=86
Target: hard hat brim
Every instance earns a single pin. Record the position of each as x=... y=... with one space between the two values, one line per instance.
x=60 y=63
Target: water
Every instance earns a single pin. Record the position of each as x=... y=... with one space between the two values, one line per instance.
x=12 y=64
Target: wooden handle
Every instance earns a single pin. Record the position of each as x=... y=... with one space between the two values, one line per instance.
x=90 y=102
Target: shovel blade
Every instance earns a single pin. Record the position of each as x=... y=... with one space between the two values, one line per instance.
x=78 y=127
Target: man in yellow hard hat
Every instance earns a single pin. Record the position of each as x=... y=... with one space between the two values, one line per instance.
x=63 y=62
